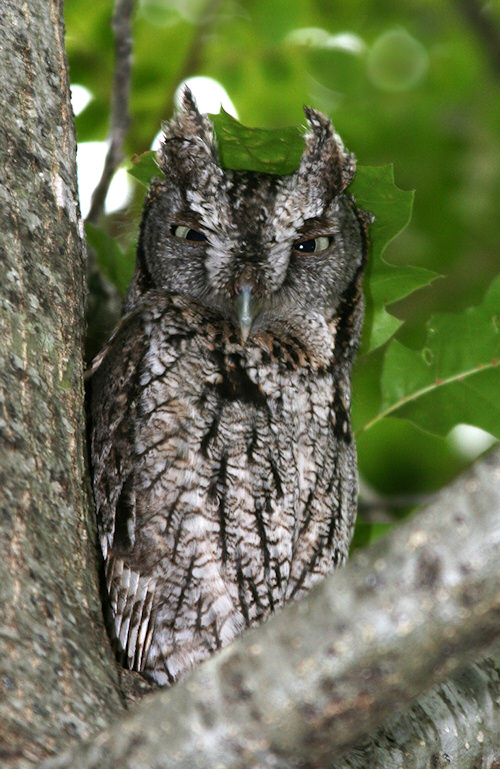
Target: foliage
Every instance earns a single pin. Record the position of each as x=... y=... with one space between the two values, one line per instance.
x=144 y=168
x=241 y=148
x=375 y=191
x=406 y=82
x=115 y=263
x=455 y=373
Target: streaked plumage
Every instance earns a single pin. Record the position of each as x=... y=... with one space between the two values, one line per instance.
x=225 y=472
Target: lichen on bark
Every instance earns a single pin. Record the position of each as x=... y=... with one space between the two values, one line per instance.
x=52 y=687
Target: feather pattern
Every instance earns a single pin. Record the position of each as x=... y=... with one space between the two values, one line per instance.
x=224 y=470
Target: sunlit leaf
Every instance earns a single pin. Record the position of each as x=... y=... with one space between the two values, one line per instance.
x=375 y=191
x=454 y=378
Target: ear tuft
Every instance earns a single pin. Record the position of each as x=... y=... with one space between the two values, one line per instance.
x=325 y=155
x=189 y=137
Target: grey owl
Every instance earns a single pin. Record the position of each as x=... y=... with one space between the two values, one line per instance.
x=224 y=465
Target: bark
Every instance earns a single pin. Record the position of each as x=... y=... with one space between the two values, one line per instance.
x=57 y=679
x=404 y=615
x=455 y=726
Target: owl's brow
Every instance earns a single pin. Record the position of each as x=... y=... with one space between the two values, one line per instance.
x=317 y=225
x=187 y=217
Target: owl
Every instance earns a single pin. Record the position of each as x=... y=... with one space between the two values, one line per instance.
x=224 y=465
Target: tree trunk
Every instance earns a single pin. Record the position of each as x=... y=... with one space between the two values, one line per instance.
x=57 y=678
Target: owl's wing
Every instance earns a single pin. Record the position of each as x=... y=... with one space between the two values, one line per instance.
x=132 y=605
x=114 y=403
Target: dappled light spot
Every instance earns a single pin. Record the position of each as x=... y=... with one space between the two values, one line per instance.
x=315 y=37
x=397 y=61
x=209 y=95
x=470 y=441
x=80 y=98
x=90 y=159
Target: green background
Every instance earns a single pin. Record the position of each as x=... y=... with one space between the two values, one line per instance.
x=421 y=92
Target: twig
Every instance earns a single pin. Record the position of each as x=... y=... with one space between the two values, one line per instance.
x=120 y=118
x=195 y=51
x=484 y=26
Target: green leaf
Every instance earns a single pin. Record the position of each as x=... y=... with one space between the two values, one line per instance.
x=272 y=151
x=116 y=264
x=374 y=190
x=454 y=378
x=144 y=168
x=367 y=533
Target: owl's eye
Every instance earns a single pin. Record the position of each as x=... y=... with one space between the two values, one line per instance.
x=181 y=231
x=314 y=245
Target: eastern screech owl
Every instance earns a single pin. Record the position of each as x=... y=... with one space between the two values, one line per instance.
x=224 y=463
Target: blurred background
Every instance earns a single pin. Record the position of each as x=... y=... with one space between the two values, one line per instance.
x=409 y=82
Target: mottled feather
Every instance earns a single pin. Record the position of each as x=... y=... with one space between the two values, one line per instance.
x=225 y=473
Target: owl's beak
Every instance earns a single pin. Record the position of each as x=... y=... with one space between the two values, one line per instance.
x=246 y=307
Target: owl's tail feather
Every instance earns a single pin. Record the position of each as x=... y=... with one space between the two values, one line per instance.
x=132 y=605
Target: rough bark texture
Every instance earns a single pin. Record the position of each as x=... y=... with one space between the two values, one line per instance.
x=57 y=679
x=455 y=726
x=401 y=616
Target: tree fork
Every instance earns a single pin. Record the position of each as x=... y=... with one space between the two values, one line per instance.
x=369 y=643
x=337 y=670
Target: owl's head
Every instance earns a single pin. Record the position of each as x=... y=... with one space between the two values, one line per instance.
x=266 y=252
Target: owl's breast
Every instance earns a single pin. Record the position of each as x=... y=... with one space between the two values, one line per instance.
x=225 y=478
x=239 y=447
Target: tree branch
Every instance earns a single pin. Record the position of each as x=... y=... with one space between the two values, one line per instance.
x=483 y=24
x=454 y=726
x=194 y=53
x=104 y=300
x=398 y=619
x=120 y=118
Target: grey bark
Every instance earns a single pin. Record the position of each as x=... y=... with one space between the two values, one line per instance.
x=306 y=686
x=402 y=616
x=57 y=678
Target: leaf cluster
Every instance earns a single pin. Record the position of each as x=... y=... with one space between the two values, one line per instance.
x=430 y=105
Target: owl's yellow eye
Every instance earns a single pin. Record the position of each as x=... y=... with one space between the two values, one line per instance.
x=314 y=245
x=187 y=233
